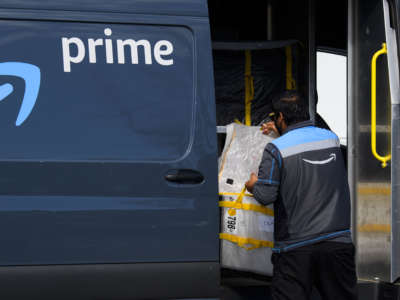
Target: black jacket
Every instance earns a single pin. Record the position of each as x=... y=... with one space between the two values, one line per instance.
x=303 y=174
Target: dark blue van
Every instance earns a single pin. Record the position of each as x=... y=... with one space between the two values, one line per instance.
x=109 y=146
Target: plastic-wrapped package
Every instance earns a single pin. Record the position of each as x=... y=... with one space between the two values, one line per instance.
x=247 y=226
x=271 y=68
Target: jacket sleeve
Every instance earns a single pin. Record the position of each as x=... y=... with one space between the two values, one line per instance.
x=266 y=188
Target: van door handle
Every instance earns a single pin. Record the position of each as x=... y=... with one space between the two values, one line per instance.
x=184 y=176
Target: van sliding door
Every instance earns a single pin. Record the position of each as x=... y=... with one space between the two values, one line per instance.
x=391 y=10
x=369 y=134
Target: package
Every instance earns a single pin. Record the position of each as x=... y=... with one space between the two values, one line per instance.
x=247 y=226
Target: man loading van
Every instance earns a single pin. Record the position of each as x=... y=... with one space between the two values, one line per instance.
x=302 y=172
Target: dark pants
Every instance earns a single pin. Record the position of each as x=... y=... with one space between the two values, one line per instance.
x=328 y=266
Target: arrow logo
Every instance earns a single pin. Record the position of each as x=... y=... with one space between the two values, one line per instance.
x=322 y=162
x=31 y=75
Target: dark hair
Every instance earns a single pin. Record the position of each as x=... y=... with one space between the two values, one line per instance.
x=292 y=106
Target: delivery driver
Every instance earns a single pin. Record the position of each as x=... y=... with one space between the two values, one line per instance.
x=302 y=173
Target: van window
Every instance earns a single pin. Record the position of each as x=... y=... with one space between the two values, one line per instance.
x=332 y=88
x=106 y=91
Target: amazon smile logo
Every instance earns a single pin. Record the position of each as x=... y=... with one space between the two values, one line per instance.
x=31 y=76
x=332 y=157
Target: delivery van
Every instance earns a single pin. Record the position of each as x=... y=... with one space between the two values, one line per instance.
x=109 y=141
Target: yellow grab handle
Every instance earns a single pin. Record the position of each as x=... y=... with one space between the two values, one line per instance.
x=383 y=159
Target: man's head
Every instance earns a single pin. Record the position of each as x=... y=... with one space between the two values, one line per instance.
x=289 y=108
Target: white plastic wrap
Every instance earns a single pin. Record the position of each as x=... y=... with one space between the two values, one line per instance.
x=242 y=155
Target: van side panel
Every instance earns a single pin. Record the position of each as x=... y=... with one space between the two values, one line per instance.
x=110 y=281
x=196 y=8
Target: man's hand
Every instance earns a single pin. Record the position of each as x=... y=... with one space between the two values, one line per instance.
x=250 y=183
x=269 y=127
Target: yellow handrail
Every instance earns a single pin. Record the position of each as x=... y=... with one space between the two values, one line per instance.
x=383 y=159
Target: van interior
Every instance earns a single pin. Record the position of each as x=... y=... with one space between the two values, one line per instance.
x=274 y=43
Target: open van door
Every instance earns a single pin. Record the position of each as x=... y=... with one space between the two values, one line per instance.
x=369 y=138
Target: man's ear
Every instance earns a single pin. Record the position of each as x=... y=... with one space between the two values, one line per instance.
x=282 y=121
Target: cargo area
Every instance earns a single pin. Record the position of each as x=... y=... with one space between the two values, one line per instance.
x=259 y=50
